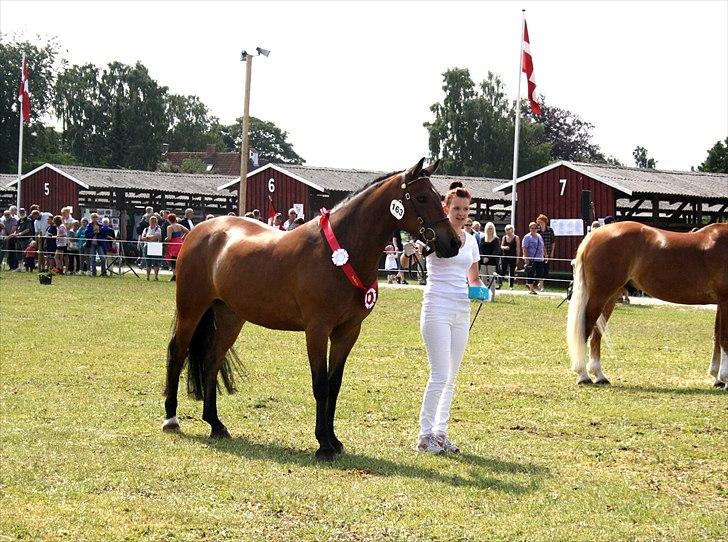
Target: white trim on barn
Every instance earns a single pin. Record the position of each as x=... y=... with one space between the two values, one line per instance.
x=280 y=170
x=47 y=165
x=506 y=186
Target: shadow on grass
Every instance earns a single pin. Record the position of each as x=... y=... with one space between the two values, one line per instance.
x=703 y=390
x=482 y=470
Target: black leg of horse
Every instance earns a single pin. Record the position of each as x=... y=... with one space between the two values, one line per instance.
x=176 y=354
x=227 y=328
x=316 y=342
x=342 y=341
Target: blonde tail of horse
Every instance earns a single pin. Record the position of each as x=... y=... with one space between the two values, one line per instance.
x=575 y=323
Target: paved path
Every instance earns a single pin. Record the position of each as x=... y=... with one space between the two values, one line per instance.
x=634 y=300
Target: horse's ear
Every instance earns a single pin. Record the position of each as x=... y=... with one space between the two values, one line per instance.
x=432 y=168
x=415 y=171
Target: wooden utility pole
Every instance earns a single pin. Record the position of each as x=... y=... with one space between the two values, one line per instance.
x=242 y=190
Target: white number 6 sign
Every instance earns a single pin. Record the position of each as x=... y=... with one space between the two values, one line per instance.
x=271 y=185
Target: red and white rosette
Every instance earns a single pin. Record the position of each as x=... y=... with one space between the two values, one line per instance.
x=340 y=256
x=370 y=298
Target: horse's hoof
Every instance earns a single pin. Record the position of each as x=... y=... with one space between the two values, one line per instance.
x=220 y=433
x=171 y=425
x=602 y=382
x=325 y=455
x=339 y=449
x=718 y=384
x=584 y=382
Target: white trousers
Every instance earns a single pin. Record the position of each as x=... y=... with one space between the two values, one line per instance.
x=444 y=329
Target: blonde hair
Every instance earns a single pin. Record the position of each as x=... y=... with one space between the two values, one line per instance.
x=489 y=227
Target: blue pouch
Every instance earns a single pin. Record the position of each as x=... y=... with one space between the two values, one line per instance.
x=479 y=293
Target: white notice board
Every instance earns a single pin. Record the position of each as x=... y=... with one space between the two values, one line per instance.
x=567 y=226
x=154 y=248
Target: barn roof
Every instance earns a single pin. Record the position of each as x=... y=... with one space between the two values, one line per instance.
x=7 y=179
x=641 y=181
x=327 y=179
x=140 y=181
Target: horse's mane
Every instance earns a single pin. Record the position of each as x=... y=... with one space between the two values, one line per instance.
x=366 y=187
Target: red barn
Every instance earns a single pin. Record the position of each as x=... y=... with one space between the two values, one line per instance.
x=677 y=200
x=288 y=185
x=50 y=188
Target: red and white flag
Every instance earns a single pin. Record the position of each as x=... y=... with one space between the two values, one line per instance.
x=24 y=93
x=271 y=211
x=527 y=68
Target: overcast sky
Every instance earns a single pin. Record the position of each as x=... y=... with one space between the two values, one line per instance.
x=352 y=82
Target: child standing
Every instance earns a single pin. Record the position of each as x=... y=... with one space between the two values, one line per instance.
x=390 y=263
x=30 y=254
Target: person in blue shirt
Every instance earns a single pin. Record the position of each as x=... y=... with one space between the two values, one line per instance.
x=533 y=256
x=98 y=239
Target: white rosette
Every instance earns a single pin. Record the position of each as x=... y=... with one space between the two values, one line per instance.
x=340 y=256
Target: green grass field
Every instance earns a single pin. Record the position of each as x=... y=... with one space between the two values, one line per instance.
x=83 y=456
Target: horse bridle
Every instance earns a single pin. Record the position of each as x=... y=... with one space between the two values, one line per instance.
x=427 y=229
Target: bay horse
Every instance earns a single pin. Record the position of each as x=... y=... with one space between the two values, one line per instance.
x=688 y=268
x=233 y=270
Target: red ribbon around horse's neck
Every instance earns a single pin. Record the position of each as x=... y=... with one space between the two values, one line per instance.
x=334 y=245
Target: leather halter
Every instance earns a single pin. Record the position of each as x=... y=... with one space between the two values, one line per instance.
x=427 y=229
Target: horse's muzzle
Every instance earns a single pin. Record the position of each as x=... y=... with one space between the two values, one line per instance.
x=445 y=249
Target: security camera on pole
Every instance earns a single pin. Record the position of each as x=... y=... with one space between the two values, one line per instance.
x=248 y=59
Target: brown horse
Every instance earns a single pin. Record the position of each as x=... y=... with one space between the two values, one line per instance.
x=234 y=270
x=688 y=268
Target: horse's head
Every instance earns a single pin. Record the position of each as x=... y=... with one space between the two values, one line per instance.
x=424 y=215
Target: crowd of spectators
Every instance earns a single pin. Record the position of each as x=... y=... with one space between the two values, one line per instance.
x=63 y=244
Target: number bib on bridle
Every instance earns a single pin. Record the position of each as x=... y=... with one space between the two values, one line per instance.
x=340 y=258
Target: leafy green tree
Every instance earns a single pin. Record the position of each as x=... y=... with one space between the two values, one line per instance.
x=189 y=123
x=43 y=62
x=473 y=130
x=717 y=160
x=569 y=135
x=112 y=118
x=192 y=165
x=270 y=141
x=641 y=159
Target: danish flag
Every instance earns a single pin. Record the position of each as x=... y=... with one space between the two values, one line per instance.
x=24 y=93
x=271 y=211
x=527 y=68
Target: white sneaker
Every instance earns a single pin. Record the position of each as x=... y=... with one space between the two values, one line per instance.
x=428 y=444
x=446 y=445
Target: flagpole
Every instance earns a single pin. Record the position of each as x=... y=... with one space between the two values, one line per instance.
x=518 y=123
x=20 y=139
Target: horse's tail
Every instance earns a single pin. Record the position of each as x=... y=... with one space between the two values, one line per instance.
x=576 y=320
x=201 y=354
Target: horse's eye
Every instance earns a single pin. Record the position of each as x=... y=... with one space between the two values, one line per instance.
x=421 y=199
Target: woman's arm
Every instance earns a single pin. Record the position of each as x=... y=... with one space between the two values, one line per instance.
x=474 y=276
